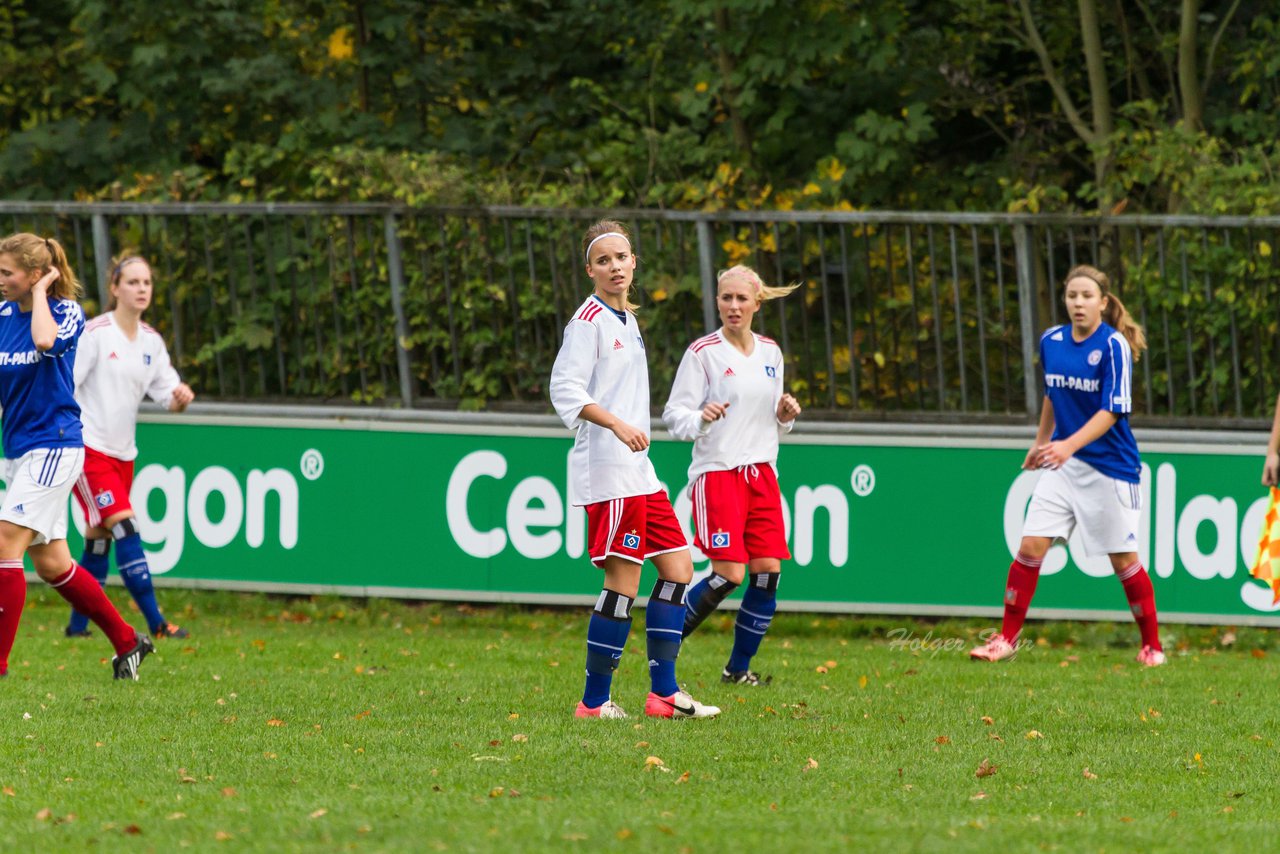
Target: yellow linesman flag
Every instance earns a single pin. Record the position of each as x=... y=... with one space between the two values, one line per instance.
x=1266 y=566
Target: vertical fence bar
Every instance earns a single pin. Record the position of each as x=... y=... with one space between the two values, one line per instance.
x=1026 y=314
x=395 y=272
x=101 y=257
x=707 y=273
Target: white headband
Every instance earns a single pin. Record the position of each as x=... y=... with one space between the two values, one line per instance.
x=587 y=254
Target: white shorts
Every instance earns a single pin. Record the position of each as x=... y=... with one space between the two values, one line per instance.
x=1107 y=510
x=38 y=486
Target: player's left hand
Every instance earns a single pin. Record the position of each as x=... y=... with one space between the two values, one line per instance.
x=788 y=408
x=182 y=397
x=1054 y=455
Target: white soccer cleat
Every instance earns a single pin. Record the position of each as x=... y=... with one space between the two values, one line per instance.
x=1149 y=656
x=996 y=649
x=608 y=709
x=678 y=705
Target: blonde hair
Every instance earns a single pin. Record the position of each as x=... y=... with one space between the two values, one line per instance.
x=762 y=291
x=117 y=269
x=34 y=253
x=606 y=226
x=1115 y=314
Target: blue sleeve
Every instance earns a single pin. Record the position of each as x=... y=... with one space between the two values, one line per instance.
x=1117 y=379
x=70 y=319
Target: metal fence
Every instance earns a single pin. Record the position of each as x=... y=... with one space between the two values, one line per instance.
x=904 y=315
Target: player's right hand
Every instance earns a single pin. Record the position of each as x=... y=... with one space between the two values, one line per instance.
x=1033 y=459
x=714 y=411
x=1271 y=470
x=634 y=439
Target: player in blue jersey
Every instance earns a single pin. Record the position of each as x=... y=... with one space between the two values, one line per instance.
x=1090 y=458
x=600 y=389
x=40 y=322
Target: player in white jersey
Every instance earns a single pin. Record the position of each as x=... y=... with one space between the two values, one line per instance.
x=121 y=361
x=1092 y=468
x=728 y=398
x=600 y=389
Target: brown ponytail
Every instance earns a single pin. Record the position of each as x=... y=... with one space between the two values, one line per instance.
x=1115 y=314
x=34 y=253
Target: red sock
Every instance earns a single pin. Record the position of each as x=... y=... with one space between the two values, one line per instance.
x=13 y=595
x=1024 y=572
x=1142 y=602
x=81 y=589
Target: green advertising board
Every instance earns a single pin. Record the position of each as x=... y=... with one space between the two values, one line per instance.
x=883 y=523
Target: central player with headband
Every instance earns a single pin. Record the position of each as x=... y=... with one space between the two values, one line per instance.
x=600 y=389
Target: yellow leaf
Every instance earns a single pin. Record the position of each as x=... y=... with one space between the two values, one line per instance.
x=496 y=792
x=1089 y=775
x=879 y=358
x=318 y=813
x=275 y=722
x=341 y=45
x=862 y=681
x=1264 y=249
x=700 y=86
x=653 y=762
x=811 y=764
x=1035 y=733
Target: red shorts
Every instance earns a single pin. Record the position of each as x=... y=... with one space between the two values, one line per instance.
x=103 y=487
x=737 y=514
x=634 y=528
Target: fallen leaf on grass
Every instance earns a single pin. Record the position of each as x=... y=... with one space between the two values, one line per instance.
x=1089 y=775
x=222 y=836
x=44 y=814
x=1258 y=653
x=175 y=816
x=985 y=769
x=8 y=790
x=520 y=738
x=275 y=722
x=1228 y=809
x=683 y=778
x=496 y=792
x=1034 y=734
x=988 y=720
x=318 y=813
x=132 y=830
x=513 y=716
x=624 y=833
x=862 y=681
x=811 y=764
x=977 y=796
x=942 y=739
x=1235 y=794
x=820 y=669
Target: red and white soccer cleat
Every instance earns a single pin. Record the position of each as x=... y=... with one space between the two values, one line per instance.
x=996 y=649
x=608 y=709
x=678 y=705
x=1149 y=656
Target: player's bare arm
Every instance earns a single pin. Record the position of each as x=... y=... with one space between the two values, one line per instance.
x=632 y=437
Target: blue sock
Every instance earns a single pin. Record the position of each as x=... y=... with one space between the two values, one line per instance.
x=97 y=560
x=758 y=605
x=606 y=638
x=704 y=597
x=132 y=561
x=663 y=622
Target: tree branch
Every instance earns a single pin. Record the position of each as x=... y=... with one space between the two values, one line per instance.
x=1188 y=66
x=1032 y=36
x=1213 y=45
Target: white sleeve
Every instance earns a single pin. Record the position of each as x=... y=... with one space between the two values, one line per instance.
x=572 y=371
x=86 y=358
x=784 y=427
x=683 y=412
x=164 y=378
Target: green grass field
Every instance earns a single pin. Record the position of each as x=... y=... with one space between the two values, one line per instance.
x=297 y=724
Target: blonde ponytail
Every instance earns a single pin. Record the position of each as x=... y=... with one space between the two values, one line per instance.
x=34 y=253
x=762 y=291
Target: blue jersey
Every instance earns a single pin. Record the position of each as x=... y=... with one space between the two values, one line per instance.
x=1083 y=378
x=37 y=390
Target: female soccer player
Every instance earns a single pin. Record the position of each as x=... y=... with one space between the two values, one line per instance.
x=120 y=360
x=727 y=398
x=1271 y=466
x=40 y=322
x=1090 y=457
x=600 y=389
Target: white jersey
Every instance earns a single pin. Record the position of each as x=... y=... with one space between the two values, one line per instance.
x=113 y=374
x=602 y=361
x=714 y=370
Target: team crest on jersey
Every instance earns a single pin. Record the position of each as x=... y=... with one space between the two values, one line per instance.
x=146 y=358
x=770 y=371
x=104 y=499
x=1095 y=357
x=631 y=541
x=720 y=540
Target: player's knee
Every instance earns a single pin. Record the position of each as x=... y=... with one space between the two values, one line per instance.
x=124 y=528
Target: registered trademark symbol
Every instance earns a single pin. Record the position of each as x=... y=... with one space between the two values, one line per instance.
x=863 y=481
x=312 y=464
